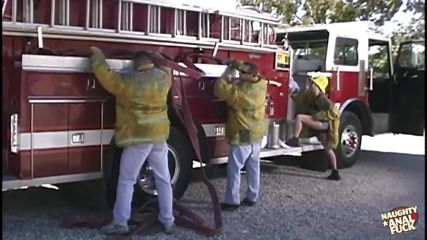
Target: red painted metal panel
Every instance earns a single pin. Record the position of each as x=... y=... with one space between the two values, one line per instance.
x=167 y=17
x=84 y=159
x=349 y=87
x=6 y=98
x=52 y=162
x=218 y=147
x=50 y=117
x=85 y=116
x=192 y=18
x=49 y=162
x=42 y=10
x=140 y=17
x=199 y=101
x=61 y=84
x=14 y=162
x=76 y=7
x=281 y=107
x=21 y=165
x=11 y=51
x=109 y=114
x=203 y=104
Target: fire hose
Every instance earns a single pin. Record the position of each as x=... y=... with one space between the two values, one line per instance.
x=184 y=216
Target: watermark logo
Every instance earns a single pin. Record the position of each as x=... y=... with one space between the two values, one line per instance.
x=400 y=219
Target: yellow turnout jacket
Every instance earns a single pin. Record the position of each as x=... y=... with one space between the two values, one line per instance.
x=141 y=101
x=246 y=109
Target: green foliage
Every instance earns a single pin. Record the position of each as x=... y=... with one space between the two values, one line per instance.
x=379 y=61
x=286 y=9
x=415 y=29
x=329 y=11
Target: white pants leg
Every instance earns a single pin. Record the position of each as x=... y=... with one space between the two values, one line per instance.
x=132 y=159
x=239 y=156
x=253 y=172
x=158 y=161
x=236 y=160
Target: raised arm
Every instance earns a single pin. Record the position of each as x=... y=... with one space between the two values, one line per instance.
x=108 y=78
x=225 y=89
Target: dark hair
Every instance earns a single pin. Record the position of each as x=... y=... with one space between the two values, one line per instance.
x=250 y=68
x=142 y=57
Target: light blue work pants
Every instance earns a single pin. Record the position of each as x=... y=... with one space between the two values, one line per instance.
x=133 y=158
x=239 y=156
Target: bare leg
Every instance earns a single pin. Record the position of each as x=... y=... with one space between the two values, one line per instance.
x=306 y=120
x=328 y=150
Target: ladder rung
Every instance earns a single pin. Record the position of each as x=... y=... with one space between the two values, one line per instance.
x=100 y=13
x=119 y=16
x=52 y=13
x=87 y=14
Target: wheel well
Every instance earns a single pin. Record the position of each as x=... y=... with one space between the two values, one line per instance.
x=363 y=113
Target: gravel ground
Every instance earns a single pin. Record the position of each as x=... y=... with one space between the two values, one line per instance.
x=295 y=204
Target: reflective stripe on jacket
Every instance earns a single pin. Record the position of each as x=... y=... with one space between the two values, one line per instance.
x=141 y=102
x=246 y=109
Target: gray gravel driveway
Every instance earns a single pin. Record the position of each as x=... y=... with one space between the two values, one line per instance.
x=295 y=203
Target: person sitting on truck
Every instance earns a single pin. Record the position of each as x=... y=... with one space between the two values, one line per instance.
x=142 y=128
x=245 y=127
x=319 y=115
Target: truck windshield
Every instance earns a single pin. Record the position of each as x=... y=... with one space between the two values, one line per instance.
x=310 y=50
x=309 y=56
x=411 y=55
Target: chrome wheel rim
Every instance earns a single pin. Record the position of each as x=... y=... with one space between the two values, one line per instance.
x=349 y=141
x=145 y=178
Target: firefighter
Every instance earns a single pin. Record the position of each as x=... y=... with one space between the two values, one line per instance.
x=245 y=97
x=142 y=128
x=320 y=116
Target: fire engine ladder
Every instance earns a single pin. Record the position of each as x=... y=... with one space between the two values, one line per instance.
x=235 y=31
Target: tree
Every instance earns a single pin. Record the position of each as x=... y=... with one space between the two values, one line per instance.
x=285 y=9
x=416 y=27
x=329 y=11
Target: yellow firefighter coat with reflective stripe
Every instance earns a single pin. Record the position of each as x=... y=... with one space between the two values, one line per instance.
x=141 y=102
x=246 y=109
x=321 y=109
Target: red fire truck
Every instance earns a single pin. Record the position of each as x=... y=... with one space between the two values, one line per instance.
x=58 y=122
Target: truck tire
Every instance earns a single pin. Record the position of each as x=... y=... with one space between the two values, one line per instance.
x=180 y=166
x=350 y=134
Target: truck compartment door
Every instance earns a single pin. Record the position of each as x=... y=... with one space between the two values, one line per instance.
x=67 y=117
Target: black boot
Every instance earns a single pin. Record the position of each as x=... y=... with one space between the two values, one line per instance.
x=334 y=175
x=248 y=202
x=229 y=207
x=293 y=142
